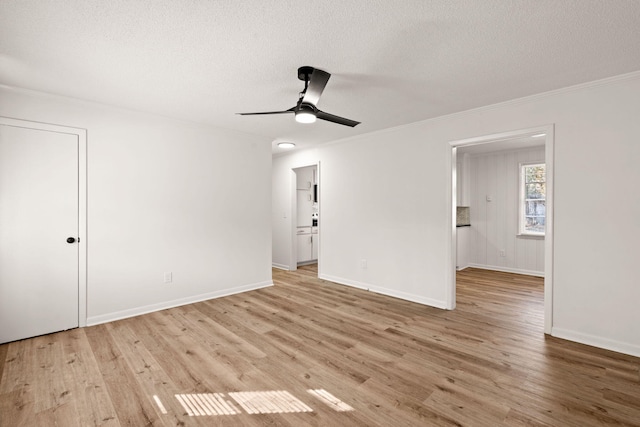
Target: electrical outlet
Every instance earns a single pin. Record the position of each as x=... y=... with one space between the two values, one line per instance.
x=168 y=277
x=503 y=253
x=363 y=264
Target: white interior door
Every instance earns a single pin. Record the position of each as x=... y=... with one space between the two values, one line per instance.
x=39 y=195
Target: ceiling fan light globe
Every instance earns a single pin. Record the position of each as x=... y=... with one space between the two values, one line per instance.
x=305 y=117
x=305 y=114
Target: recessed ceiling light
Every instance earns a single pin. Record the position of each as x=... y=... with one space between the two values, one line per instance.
x=538 y=135
x=286 y=144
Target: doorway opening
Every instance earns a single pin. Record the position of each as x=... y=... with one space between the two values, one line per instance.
x=512 y=141
x=305 y=215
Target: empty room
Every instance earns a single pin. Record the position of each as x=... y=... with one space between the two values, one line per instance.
x=354 y=213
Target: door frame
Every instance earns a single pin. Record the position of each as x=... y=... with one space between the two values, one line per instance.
x=81 y=135
x=548 y=130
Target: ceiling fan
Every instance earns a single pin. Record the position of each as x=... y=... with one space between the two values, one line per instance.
x=306 y=110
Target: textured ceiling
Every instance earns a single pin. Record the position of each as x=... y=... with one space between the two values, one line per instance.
x=392 y=62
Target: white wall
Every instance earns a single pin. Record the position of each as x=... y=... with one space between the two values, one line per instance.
x=370 y=192
x=386 y=197
x=494 y=224
x=163 y=195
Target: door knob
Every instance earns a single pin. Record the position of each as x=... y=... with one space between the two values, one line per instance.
x=71 y=239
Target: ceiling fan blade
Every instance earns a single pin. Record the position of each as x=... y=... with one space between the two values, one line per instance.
x=336 y=119
x=317 y=83
x=290 y=110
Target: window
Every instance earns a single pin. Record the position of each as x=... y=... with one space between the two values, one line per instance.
x=533 y=189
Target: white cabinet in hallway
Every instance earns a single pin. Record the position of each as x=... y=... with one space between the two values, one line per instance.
x=307 y=244
x=314 y=243
x=463 y=235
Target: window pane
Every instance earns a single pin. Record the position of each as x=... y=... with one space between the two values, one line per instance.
x=535 y=208
x=534 y=174
x=534 y=224
x=535 y=191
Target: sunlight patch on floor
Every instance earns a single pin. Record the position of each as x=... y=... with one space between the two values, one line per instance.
x=329 y=399
x=207 y=404
x=252 y=402
x=269 y=402
x=160 y=405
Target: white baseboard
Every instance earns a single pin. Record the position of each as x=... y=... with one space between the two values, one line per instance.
x=341 y=281
x=385 y=291
x=596 y=341
x=279 y=266
x=137 y=311
x=507 y=269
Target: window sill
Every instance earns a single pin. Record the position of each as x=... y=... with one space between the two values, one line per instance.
x=530 y=236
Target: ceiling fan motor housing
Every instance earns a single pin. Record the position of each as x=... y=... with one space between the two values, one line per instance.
x=304 y=73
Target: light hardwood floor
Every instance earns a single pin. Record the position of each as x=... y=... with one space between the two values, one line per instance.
x=395 y=363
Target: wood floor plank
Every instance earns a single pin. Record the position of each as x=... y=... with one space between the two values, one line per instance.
x=50 y=391
x=395 y=363
x=18 y=363
x=85 y=383
x=133 y=407
x=148 y=373
x=382 y=403
x=16 y=391
x=3 y=357
x=16 y=408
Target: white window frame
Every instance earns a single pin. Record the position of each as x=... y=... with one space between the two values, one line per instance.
x=521 y=204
